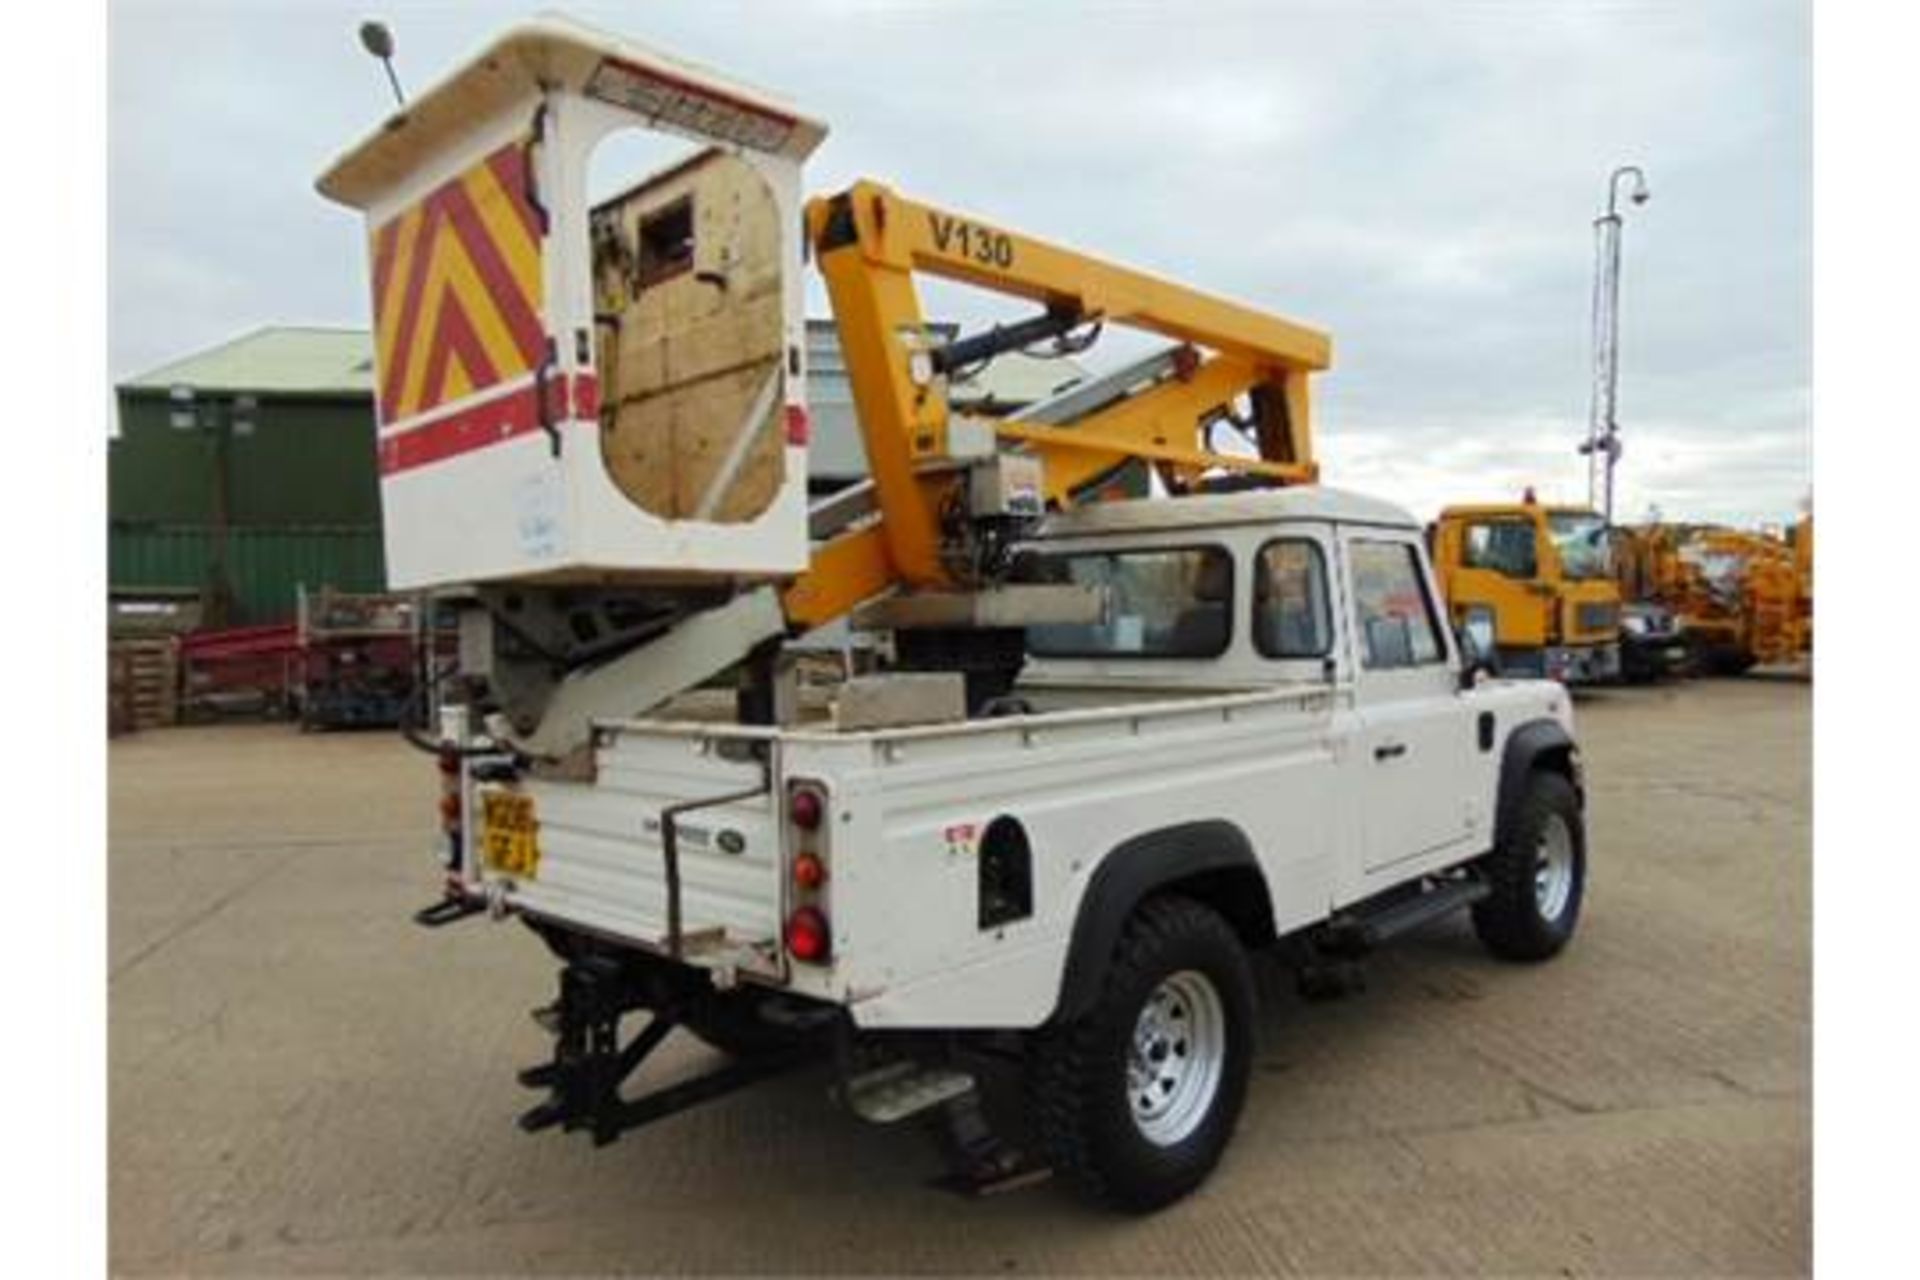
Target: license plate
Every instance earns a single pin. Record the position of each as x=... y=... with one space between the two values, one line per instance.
x=509 y=834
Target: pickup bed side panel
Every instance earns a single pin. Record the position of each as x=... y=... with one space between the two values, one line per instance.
x=906 y=907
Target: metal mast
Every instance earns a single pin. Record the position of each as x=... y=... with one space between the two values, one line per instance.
x=1602 y=446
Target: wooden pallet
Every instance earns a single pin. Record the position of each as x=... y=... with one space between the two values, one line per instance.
x=143 y=683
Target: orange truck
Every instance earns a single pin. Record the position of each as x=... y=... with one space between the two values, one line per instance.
x=1532 y=583
x=1741 y=598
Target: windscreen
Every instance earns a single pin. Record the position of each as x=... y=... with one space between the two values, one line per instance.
x=1580 y=538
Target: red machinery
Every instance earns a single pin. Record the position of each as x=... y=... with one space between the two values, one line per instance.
x=238 y=671
x=360 y=657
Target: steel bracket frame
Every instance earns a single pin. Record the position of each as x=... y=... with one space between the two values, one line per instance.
x=590 y=1064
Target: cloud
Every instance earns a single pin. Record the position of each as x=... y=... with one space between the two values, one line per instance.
x=1686 y=472
x=1417 y=176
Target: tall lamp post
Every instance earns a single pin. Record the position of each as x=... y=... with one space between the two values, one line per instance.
x=1602 y=446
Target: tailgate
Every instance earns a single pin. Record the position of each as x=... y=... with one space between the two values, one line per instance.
x=598 y=855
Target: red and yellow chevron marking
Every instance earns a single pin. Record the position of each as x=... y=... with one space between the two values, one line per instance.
x=457 y=289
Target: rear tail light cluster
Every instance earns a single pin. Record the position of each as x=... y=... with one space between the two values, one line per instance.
x=809 y=932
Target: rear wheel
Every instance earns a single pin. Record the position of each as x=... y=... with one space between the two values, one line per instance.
x=1538 y=873
x=1135 y=1101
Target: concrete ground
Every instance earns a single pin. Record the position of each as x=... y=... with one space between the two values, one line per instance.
x=301 y=1081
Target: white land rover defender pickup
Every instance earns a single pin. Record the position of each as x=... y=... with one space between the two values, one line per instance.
x=1270 y=738
x=1113 y=747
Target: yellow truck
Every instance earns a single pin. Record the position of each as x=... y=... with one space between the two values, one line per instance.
x=1534 y=587
x=1742 y=599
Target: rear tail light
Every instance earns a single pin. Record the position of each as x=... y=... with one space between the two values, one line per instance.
x=808 y=933
x=805 y=808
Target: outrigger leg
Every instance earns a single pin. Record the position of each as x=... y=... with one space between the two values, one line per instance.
x=590 y=1064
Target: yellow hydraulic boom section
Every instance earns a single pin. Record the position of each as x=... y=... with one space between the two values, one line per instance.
x=1236 y=365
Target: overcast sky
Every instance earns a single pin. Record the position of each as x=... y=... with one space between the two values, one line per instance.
x=1417 y=177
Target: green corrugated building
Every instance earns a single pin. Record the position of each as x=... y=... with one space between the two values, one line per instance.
x=266 y=477
x=244 y=470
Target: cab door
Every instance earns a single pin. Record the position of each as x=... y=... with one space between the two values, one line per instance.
x=1414 y=745
x=1495 y=587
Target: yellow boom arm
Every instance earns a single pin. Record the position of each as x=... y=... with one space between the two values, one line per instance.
x=871 y=241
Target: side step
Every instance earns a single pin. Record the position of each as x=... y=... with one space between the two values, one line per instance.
x=905 y=1088
x=1364 y=929
x=448 y=910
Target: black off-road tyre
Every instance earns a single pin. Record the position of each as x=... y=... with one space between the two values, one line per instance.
x=1519 y=920
x=1080 y=1094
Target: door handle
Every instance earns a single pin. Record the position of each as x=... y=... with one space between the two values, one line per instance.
x=1390 y=751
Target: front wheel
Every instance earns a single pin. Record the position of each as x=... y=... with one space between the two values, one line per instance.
x=1538 y=874
x=1135 y=1101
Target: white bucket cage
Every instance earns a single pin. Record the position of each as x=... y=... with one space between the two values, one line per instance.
x=577 y=387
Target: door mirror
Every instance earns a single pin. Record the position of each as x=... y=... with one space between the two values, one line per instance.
x=1476 y=650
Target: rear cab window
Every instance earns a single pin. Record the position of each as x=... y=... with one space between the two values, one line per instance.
x=1163 y=602
x=1397 y=624
x=1291 y=617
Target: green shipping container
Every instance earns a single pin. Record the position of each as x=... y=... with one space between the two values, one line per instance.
x=263 y=565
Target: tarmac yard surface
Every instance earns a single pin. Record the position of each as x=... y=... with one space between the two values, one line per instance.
x=303 y=1081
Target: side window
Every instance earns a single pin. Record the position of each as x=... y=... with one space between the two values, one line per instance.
x=1290 y=615
x=1162 y=603
x=1397 y=624
x=1504 y=546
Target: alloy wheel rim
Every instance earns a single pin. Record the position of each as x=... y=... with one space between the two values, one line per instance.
x=1176 y=1057
x=1553 y=868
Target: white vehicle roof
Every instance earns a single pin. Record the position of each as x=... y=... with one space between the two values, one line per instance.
x=1201 y=511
